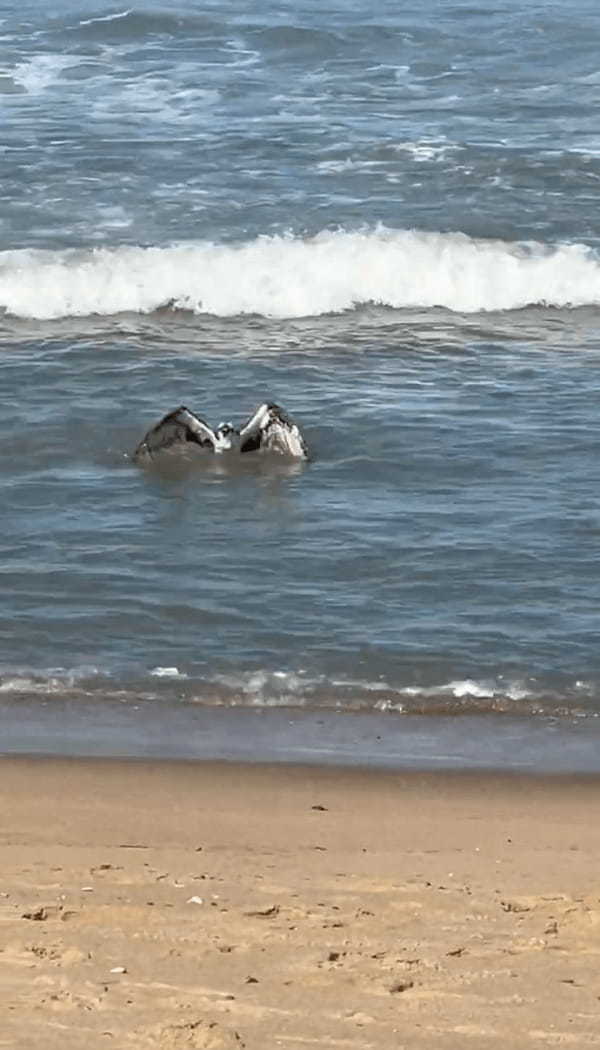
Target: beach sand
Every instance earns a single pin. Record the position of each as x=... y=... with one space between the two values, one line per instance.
x=203 y=905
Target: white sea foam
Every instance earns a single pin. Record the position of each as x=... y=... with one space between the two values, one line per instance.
x=156 y=99
x=471 y=689
x=287 y=276
x=427 y=150
x=167 y=672
x=53 y=680
x=105 y=18
x=41 y=71
x=25 y=684
x=336 y=167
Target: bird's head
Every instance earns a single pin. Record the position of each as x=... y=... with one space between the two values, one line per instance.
x=227 y=436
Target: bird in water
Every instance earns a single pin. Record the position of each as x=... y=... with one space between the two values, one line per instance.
x=269 y=430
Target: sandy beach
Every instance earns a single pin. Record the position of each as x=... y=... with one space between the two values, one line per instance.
x=201 y=905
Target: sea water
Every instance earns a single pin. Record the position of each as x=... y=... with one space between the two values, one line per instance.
x=383 y=217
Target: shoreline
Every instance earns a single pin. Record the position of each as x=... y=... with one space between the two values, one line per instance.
x=108 y=728
x=177 y=904
x=451 y=778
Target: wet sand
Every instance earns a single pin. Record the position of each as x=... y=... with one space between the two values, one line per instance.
x=215 y=905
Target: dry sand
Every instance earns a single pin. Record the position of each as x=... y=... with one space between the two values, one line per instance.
x=199 y=905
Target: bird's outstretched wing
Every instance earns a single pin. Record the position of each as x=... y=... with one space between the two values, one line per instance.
x=271 y=430
x=176 y=428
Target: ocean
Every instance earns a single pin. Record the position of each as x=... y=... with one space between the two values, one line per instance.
x=382 y=217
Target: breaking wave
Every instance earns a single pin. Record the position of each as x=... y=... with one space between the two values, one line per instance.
x=288 y=276
x=288 y=689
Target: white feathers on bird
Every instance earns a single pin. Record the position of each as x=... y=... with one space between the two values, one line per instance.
x=270 y=429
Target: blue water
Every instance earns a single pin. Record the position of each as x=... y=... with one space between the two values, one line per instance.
x=385 y=218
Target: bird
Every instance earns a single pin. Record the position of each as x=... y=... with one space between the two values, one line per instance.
x=269 y=430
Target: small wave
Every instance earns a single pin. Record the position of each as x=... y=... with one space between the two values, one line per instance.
x=29 y=684
x=290 y=39
x=105 y=18
x=289 y=276
x=299 y=689
x=136 y=25
x=470 y=689
x=55 y=680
